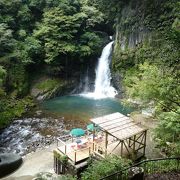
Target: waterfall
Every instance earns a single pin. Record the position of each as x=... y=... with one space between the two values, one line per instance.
x=103 y=88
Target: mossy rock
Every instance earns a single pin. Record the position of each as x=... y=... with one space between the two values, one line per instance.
x=46 y=88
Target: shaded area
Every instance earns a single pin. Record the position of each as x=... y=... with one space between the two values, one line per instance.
x=33 y=163
x=151 y=150
x=9 y=163
x=164 y=176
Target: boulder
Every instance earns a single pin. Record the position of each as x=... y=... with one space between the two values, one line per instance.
x=9 y=162
x=136 y=173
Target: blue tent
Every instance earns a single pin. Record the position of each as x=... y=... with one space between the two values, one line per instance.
x=77 y=132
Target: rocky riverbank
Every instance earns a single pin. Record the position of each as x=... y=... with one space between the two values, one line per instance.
x=35 y=138
x=26 y=135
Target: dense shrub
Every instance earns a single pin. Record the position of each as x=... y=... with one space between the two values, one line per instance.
x=105 y=167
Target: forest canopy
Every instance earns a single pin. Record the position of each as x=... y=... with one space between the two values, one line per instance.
x=38 y=33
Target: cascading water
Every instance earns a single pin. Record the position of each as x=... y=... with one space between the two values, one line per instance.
x=103 y=88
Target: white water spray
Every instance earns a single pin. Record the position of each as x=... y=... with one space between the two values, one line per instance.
x=103 y=88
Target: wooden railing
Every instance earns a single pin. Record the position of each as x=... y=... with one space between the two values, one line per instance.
x=149 y=166
x=63 y=138
x=63 y=144
x=100 y=151
x=80 y=150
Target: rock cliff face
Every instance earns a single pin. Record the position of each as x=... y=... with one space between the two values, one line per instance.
x=141 y=26
x=130 y=33
x=130 y=29
x=138 y=18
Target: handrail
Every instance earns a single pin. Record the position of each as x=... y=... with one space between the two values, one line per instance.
x=80 y=150
x=142 y=163
x=59 y=140
x=151 y=160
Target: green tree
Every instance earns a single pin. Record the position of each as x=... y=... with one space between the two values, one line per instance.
x=169 y=127
x=149 y=83
x=66 y=31
x=2 y=76
x=6 y=40
x=29 y=50
x=107 y=166
x=57 y=32
x=167 y=133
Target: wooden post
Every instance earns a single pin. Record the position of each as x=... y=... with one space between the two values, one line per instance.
x=59 y=167
x=106 y=142
x=65 y=149
x=93 y=137
x=134 y=143
x=129 y=144
x=134 y=147
x=75 y=156
x=144 y=149
x=95 y=147
x=126 y=147
x=122 y=148
x=55 y=164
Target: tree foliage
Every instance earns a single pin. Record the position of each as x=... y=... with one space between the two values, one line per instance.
x=34 y=33
x=66 y=30
x=168 y=132
x=6 y=39
x=150 y=69
x=107 y=166
x=151 y=83
x=2 y=75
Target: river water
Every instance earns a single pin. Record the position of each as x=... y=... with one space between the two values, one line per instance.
x=27 y=134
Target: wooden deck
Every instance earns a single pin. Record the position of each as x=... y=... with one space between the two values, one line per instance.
x=119 y=135
x=77 y=155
